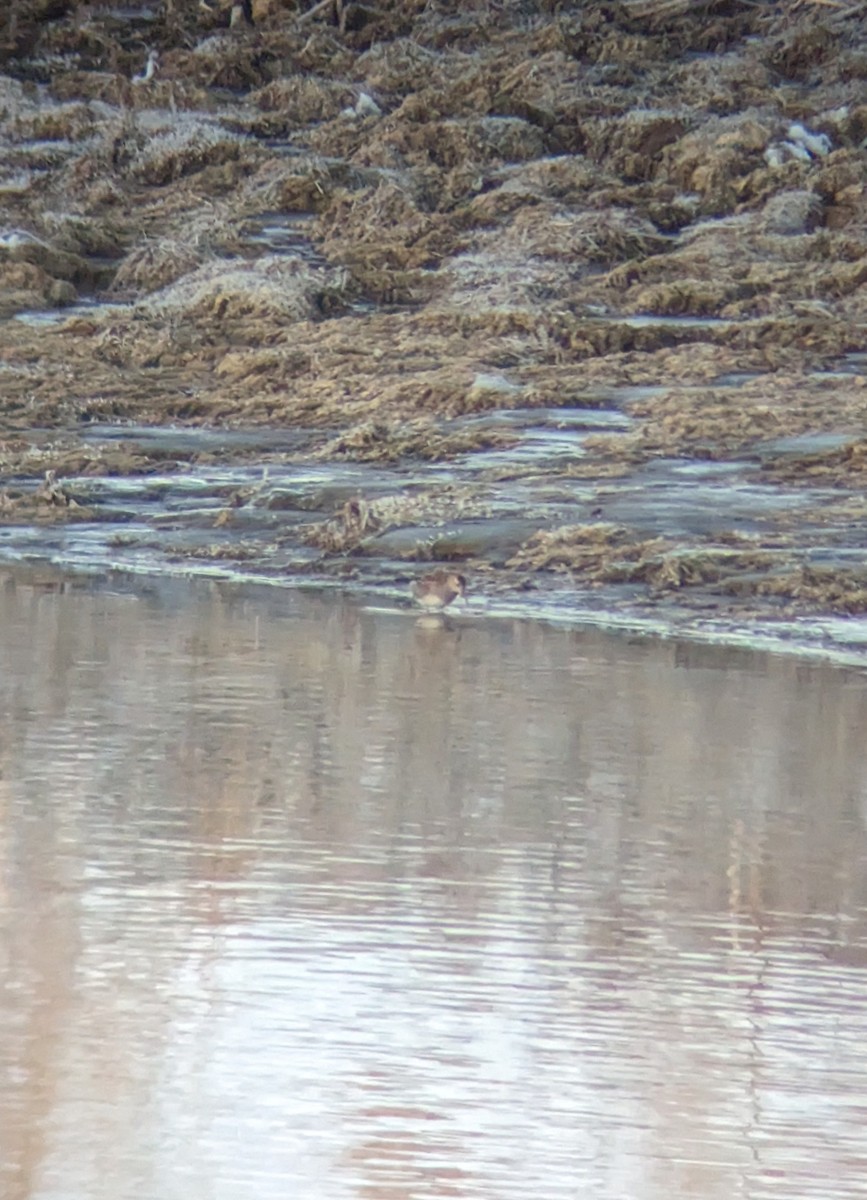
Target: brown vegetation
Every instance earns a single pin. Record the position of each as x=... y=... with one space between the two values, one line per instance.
x=658 y=194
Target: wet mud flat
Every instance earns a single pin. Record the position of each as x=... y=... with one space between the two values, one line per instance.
x=572 y=296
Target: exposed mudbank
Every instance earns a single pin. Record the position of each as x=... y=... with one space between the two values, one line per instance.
x=575 y=298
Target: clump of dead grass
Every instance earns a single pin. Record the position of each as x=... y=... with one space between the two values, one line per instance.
x=598 y=554
x=272 y=288
x=359 y=520
x=299 y=100
x=190 y=145
x=818 y=589
x=422 y=438
x=385 y=227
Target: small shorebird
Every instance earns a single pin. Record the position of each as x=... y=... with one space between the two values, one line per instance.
x=437 y=590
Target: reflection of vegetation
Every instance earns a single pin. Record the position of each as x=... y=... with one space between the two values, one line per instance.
x=228 y=818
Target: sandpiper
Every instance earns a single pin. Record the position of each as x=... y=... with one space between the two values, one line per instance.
x=437 y=590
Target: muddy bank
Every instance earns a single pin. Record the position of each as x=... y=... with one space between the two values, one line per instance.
x=574 y=297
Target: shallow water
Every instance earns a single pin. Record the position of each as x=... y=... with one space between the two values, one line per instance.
x=298 y=899
x=249 y=520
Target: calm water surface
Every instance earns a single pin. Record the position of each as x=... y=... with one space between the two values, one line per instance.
x=299 y=900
